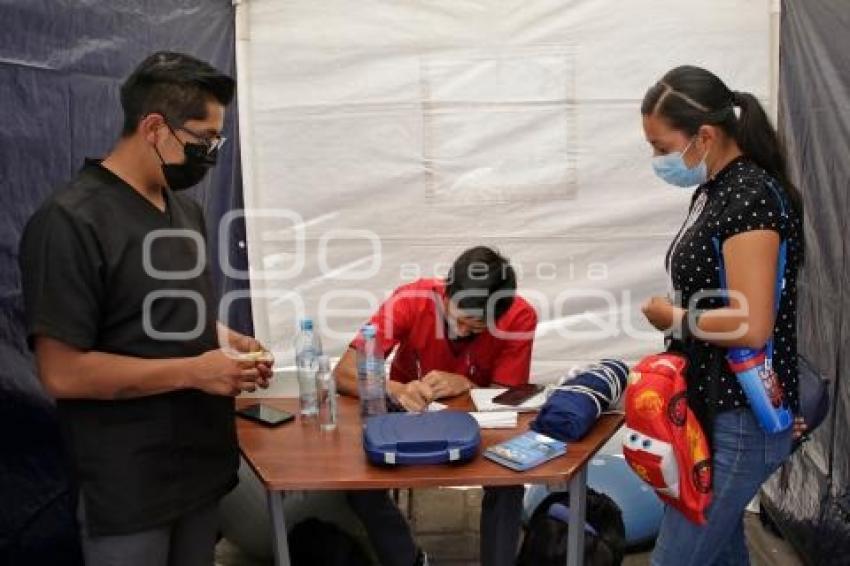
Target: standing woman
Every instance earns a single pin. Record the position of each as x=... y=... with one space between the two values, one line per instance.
x=702 y=133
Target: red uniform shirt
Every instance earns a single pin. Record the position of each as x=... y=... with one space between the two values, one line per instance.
x=412 y=320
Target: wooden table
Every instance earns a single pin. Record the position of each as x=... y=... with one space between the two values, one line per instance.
x=299 y=456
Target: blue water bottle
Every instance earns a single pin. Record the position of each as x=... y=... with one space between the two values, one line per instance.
x=754 y=370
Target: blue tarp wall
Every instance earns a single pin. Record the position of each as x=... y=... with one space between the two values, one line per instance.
x=810 y=500
x=61 y=65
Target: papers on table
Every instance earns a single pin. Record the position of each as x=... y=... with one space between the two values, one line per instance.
x=496 y=419
x=483 y=399
x=488 y=419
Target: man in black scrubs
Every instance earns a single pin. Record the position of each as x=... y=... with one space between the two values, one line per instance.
x=121 y=314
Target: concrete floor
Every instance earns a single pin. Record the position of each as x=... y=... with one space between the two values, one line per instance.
x=446 y=525
x=765 y=548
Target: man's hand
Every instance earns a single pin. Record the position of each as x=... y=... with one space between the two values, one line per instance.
x=414 y=396
x=250 y=345
x=219 y=372
x=445 y=384
x=242 y=343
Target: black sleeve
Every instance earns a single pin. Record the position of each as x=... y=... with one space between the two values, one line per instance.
x=753 y=207
x=62 y=286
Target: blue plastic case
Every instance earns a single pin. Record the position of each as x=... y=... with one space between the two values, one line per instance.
x=421 y=438
x=526 y=451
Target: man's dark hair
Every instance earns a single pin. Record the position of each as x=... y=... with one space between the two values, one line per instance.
x=477 y=275
x=176 y=85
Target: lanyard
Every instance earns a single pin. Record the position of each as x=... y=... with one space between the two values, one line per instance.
x=693 y=216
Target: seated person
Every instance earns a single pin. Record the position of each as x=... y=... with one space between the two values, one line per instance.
x=470 y=330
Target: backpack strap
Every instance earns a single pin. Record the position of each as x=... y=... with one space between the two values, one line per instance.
x=560 y=512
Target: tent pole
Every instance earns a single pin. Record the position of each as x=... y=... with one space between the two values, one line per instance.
x=775 y=11
x=243 y=81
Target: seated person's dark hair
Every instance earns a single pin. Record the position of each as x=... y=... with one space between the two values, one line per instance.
x=477 y=275
x=175 y=85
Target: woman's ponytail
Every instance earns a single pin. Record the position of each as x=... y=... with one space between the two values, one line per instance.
x=758 y=140
x=689 y=97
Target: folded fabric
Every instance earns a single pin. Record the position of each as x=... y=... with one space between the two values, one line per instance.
x=574 y=406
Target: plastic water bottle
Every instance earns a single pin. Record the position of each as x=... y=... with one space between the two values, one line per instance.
x=326 y=392
x=308 y=348
x=755 y=373
x=371 y=383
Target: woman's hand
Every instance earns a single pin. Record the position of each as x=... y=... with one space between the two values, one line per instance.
x=661 y=313
x=800 y=428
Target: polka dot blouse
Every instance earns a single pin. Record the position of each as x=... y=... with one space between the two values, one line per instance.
x=738 y=199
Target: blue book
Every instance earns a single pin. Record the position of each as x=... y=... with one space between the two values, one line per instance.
x=526 y=451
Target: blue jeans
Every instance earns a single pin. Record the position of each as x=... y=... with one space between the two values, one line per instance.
x=744 y=457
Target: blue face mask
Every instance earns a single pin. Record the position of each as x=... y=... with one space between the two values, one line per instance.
x=672 y=169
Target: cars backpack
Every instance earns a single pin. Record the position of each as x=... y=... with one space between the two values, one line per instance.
x=664 y=443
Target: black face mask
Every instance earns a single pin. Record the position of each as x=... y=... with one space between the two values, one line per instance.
x=180 y=176
x=463 y=339
x=455 y=338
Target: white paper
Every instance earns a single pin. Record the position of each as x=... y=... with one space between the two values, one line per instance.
x=496 y=419
x=483 y=399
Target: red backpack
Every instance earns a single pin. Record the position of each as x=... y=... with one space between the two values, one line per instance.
x=664 y=443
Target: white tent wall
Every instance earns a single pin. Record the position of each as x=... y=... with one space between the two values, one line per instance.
x=381 y=138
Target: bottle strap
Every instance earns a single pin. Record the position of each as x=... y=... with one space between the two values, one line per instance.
x=780 y=271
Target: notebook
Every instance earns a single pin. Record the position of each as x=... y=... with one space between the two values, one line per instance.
x=526 y=451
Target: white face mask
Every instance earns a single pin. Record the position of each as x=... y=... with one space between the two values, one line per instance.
x=672 y=169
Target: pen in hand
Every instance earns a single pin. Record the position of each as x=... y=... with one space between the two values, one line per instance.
x=418 y=362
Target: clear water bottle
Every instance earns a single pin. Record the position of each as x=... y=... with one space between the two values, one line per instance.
x=754 y=370
x=326 y=392
x=308 y=348
x=371 y=382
